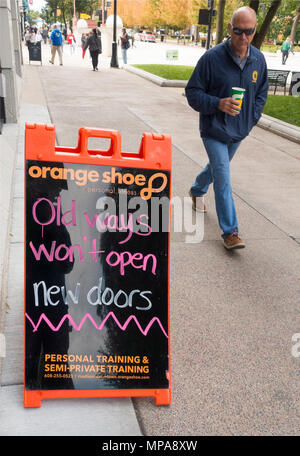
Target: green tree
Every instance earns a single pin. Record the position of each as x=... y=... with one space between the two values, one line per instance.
x=269 y=15
x=259 y=38
x=86 y=6
x=283 y=19
x=295 y=24
x=230 y=7
x=33 y=16
x=66 y=8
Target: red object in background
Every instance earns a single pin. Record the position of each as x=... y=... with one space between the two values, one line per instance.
x=147 y=35
x=71 y=38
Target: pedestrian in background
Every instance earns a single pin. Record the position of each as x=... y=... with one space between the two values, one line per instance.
x=38 y=36
x=27 y=37
x=132 y=40
x=95 y=47
x=33 y=36
x=65 y=33
x=71 y=40
x=45 y=35
x=225 y=122
x=84 y=38
x=285 y=49
x=56 y=40
x=124 y=45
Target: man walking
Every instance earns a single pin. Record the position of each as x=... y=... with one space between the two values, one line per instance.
x=285 y=49
x=56 y=40
x=223 y=122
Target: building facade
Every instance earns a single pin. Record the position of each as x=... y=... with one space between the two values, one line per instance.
x=10 y=60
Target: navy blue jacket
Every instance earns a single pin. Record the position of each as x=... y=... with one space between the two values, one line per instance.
x=213 y=78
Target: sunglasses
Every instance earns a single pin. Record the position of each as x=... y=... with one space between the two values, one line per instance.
x=247 y=32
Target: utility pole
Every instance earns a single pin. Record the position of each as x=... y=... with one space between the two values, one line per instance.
x=74 y=21
x=211 y=9
x=114 y=57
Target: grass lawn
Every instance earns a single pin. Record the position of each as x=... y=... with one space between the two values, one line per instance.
x=286 y=108
x=178 y=72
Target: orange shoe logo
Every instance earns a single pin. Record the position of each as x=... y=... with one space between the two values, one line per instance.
x=146 y=193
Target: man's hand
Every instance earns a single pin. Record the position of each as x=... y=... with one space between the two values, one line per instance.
x=230 y=106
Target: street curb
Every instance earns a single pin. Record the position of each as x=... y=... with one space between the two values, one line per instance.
x=155 y=79
x=276 y=126
x=284 y=129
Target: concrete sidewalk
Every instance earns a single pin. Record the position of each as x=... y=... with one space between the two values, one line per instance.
x=88 y=417
x=233 y=314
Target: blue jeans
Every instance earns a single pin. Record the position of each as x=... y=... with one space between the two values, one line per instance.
x=218 y=172
x=124 y=55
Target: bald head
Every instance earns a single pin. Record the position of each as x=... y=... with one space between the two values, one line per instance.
x=242 y=29
x=244 y=13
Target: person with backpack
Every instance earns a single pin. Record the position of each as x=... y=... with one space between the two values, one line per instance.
x=285 y=49
x=56 y=40
x=95 y=46
x=124 y=45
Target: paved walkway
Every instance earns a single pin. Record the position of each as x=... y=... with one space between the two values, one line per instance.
x=233 y=314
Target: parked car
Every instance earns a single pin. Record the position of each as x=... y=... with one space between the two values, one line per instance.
x=147 y=35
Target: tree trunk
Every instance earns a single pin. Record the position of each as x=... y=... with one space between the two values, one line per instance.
x=63 y=10
x=254 y=5
x=220 y=21
x=197 y=35
x=64 y=16
x=260 y=36
x=295 y=25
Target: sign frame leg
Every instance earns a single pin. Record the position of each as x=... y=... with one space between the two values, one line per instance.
x=163 y=397
x=32 y=399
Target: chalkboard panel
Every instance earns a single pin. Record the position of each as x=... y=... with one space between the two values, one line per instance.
x=35 y=51
x=97 y=248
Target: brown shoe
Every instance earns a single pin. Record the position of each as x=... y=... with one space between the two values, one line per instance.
x=233 y=241
x=198 y=203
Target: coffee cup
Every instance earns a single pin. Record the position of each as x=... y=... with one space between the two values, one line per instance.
x=238 y=94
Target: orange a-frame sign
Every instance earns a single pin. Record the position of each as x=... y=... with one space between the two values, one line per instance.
x=97 y=265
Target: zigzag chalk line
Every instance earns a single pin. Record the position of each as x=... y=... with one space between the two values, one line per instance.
x=88 y=316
